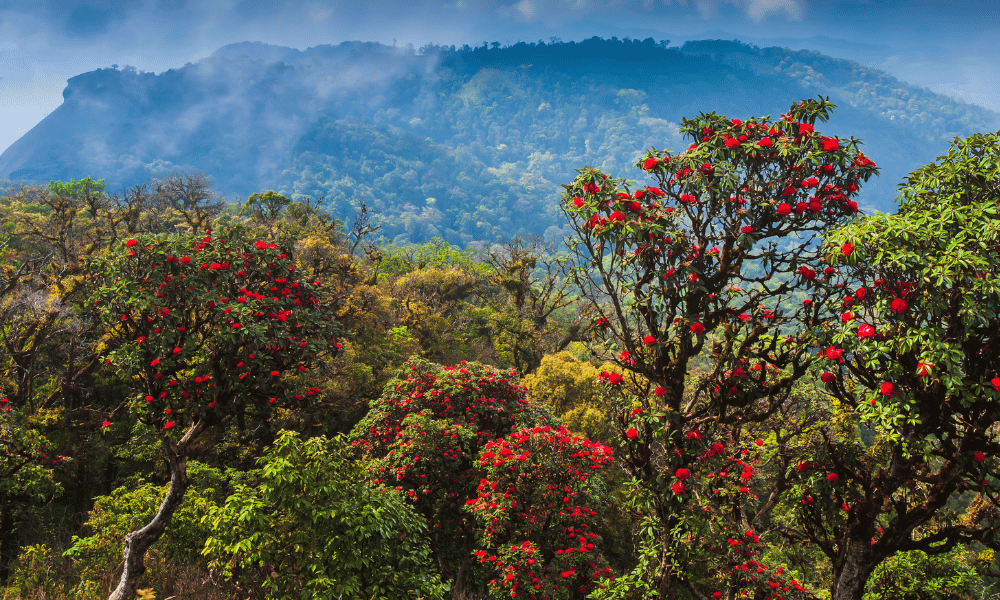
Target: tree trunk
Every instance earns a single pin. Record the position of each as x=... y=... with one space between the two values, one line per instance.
x=462 y=577
x=138 y=542
x=850 y=579
x=666 y=587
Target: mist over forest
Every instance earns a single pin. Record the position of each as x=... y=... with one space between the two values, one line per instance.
x=463 y=144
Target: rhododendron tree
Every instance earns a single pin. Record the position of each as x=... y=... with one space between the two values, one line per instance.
x=423 y=437
x=537 y=506
x=712 y=258
x=205 y=331
x=917 y=365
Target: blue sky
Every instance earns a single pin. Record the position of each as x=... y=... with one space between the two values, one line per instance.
x=949 y=47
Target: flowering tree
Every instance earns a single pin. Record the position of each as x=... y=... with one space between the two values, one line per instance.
x=424 y=437
x=915 y=355
x=204 y=331
x=536 y=510
x=721 y=257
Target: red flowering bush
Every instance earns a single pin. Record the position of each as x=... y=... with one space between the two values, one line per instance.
x=424 y=437
x=537 y=506
x=684 y=261
x=201 y=344
x=196 y=342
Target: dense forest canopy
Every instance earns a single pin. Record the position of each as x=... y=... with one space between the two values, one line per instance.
x=507 y=329
x=465 y=144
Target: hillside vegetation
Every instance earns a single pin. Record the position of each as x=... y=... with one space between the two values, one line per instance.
x=465 y=144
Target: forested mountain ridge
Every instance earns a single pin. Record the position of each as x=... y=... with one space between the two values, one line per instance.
x=466 y=144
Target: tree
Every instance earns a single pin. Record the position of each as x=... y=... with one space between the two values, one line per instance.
x=537 y=507
x=721 y=257
x=572 y=388
x=525 y=325
x=189 y=194
x=310 y=524
x=424 y=436
x=204 y=331
x=915 y=355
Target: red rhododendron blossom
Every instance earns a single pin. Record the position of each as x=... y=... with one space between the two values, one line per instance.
x=887 y=388
x=866 y=331
x=168 y=424
x=924 y=369
x=807 y=273
x=682 y=473
x=632 y=433
x=732 y=143
x=765 y=142
x=746 y=229
x=847 y=249
x=805 y=128
x=783 y=209
x=830 y=144
x=650 y=163
x=847 y=316
x=131 y=242
x=996 y=383
x=185 y=259
x=827 y=377
x=649 y=340
x=978 y=456
x=578 y=202
x=697 y=328
x=677 y=487
x=834 y=353
x=275 y=374
x=155 y=362
x=108 y=424
x=899 y=306
x=833 y=477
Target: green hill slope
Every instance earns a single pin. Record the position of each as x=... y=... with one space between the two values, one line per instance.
x=468 y=144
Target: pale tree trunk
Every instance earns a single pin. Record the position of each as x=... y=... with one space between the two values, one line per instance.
x=849 y=584
x=138 y=542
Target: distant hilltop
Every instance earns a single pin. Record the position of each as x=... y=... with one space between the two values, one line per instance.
x=466 y=144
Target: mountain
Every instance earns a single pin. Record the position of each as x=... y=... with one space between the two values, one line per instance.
x=467 y=144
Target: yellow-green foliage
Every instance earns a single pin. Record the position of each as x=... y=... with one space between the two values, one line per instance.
x=564 y=382
x=570 y=386
x=941 y=576
x=97 y=558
